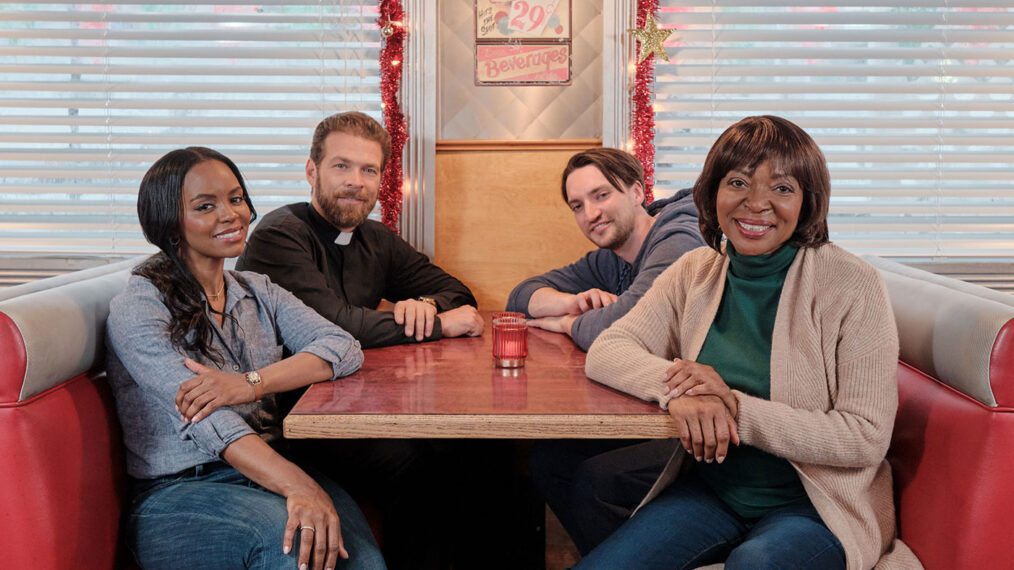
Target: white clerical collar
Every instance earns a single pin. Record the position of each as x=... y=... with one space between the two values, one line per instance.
x=344 y=238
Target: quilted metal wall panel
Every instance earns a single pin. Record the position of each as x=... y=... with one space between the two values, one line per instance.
x=518 y=112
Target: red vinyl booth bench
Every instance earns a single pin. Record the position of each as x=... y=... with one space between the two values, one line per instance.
x=62 y=483
x=61 y=466
x=953 y=446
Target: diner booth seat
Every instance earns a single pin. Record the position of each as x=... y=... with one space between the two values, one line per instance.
x=61 y=466
x=62 y=481
x=952 y=452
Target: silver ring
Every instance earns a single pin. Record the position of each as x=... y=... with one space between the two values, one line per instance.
x=309 y=528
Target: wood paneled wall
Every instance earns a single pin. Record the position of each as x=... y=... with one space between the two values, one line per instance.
x=499 y=214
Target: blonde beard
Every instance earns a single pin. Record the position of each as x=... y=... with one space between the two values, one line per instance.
x=341 y=216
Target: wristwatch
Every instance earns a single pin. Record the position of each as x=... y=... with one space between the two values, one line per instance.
x=428 y=300
x=253 y=378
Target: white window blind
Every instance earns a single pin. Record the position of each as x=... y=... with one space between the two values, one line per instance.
x=92 y=94
x=911 y=101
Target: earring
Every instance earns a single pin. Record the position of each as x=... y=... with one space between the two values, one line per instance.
x=174 y=241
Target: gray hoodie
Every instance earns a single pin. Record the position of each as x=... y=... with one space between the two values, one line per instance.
x=674 y=233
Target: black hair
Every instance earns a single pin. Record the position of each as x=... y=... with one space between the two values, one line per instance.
x=160 y=210
x=747 y=144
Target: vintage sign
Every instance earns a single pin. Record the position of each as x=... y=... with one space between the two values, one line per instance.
x=522 y=42
x=522 y=64
x=522 y=19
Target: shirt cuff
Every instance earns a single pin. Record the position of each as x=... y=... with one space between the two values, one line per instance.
x=217 y=431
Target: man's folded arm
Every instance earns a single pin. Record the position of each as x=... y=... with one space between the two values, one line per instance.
x=415 y=276
x=664 y=253
x=572 y=279
x=290 y=262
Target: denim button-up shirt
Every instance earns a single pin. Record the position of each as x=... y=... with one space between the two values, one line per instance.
x=145 y=370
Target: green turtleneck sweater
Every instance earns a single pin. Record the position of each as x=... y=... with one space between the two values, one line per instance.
x=738 y=347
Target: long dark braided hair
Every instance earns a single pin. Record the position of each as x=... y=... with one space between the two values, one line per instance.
x=159 y=209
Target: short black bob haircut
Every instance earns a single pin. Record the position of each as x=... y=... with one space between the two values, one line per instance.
x=747 y=144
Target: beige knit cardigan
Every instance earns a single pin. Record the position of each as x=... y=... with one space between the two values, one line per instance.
x=834 y=359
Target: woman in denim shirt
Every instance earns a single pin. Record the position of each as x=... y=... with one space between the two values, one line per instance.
x=196 y=356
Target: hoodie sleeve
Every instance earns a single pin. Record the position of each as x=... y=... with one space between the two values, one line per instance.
x=671 y=237
x=586 y=273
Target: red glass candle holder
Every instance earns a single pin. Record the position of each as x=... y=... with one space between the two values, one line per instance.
x=510 y=341
x=502 y=314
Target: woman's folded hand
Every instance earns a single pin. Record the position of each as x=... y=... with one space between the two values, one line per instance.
x=209 y=390
x=706 y=426
x=695 y=379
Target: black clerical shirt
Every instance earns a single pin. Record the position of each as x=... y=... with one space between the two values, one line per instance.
x=294 y=246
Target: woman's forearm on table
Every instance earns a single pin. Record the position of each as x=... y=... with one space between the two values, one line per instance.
x=300 y=369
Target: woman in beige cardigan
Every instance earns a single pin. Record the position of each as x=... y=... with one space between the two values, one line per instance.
x=776 y=357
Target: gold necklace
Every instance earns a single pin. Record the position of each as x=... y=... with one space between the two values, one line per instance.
x=216 y=295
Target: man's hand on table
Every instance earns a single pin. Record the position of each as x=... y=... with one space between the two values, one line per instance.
x=554 y=324
x=589 y=300
x=548 y=302
x=417 y=316
x=462 y=321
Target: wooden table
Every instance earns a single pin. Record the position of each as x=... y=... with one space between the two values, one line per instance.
x=450 y=389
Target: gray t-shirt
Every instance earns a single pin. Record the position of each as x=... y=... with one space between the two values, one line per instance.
x=145 y=370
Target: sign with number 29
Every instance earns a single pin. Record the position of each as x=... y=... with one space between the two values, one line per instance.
x=530 y=16
x=522 y=19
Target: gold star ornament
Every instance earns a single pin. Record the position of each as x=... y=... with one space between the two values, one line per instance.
x=651 y=38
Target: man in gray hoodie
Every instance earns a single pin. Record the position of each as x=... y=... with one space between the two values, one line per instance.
x=604 y=187
x=593 y=485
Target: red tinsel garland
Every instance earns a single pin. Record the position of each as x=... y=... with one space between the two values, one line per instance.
x=642 y=121
x=391 y=22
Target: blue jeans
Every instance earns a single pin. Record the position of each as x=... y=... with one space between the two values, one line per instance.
x=689 y=526
x=214 y=517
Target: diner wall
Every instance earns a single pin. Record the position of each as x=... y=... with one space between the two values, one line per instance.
x=533 y=113
x=499 y=214
x=500 y=150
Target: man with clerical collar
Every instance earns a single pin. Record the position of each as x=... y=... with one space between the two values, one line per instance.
x=431 y=493
x=342 y=264
x=593 y=485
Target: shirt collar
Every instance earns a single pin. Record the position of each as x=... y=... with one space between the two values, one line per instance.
x=322 y=227
x=234 y=291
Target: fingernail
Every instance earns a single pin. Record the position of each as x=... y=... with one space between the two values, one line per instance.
x=720 y=458
x=698 y=458
x=302 y=566
x=675 y=393
x=285 y=550
x=708 y=460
